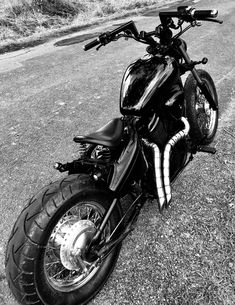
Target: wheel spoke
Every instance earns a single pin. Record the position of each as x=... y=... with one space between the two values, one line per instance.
x=55 y=275
x=96 y=218
x=52 y=263
x=56 y=267
x=88 y=212
x=205 y=115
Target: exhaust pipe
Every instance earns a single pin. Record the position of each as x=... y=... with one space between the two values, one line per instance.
x=158 y=173
x=166 y=157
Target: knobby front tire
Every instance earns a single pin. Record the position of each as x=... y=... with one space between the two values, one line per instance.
x=37 y=270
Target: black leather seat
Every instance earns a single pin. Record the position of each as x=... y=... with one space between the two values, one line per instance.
x=109 y=135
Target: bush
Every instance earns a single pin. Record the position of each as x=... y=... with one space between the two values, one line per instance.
x=104 y=8
x=26 y=17
x=60 y=7
x=63 y=8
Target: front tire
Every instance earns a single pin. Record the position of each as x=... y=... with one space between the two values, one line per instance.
x=202 y=118
x=40 y=265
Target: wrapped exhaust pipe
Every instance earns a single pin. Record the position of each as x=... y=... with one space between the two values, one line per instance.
x=158 y=173
x=166 y=157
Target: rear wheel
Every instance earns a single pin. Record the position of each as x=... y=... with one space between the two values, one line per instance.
x=46 y=260
x=202 y=118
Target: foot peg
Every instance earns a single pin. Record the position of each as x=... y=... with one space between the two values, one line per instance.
x=61 y=167
x=206 y=149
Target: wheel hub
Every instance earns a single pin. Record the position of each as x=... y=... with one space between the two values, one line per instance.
x=74 y=244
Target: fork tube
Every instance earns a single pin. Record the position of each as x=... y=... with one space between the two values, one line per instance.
x=201 y=84
x=188 y=61
x=105 y=220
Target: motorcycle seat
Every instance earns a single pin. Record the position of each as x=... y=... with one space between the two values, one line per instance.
x=109 y=135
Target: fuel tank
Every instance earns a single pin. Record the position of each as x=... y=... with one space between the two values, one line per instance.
x=147 y=83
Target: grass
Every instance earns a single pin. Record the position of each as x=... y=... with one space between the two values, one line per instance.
x=25 y=18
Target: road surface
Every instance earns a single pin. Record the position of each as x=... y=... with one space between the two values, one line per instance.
x=49 y=94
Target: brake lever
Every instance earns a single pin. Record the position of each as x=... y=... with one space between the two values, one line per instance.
x=214 y=20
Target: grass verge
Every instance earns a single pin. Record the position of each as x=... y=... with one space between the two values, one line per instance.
x=26 y=20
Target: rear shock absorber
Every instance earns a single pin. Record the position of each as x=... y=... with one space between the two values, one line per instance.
x=82 y=150
x=106 y=154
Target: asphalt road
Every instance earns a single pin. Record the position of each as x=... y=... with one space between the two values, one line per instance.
x=49 y=94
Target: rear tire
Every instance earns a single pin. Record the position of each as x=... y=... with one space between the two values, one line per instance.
x=35 y=263
x=203 y=120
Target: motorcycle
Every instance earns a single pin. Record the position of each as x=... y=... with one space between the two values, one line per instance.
x=66 y=241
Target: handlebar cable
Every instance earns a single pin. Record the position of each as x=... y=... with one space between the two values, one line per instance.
x=185 y=30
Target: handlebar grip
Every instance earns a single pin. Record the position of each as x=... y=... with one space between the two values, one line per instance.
x=91 y=44
x=203 y=14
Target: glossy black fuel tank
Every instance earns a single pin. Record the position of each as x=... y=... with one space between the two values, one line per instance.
x=146 y=82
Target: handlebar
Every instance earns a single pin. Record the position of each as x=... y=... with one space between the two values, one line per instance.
x=188 y=14
x=183 y=13
x=104 y=38
x=91 y=44
x=203 y=14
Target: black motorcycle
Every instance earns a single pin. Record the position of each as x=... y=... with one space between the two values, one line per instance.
x=65 y=243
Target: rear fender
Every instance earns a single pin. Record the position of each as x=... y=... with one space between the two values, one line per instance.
x=129 y=165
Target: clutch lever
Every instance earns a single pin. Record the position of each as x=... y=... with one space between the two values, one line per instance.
x=99 y=46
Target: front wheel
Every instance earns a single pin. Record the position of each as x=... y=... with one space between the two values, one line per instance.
x=46 y=259
x=202 y=118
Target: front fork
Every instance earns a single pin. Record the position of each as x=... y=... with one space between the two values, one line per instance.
x=201 y=84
